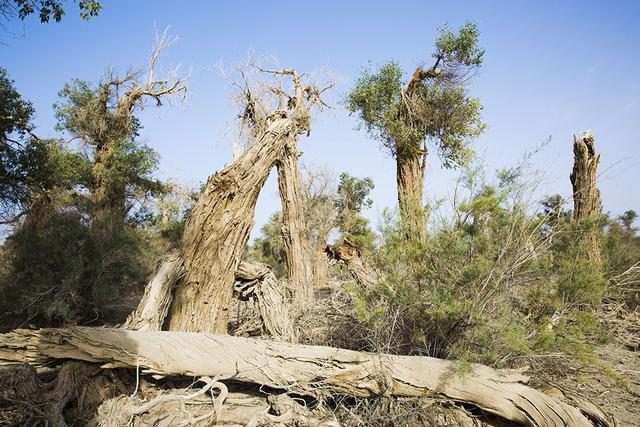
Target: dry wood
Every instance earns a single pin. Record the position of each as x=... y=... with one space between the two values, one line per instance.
x=306 y=370
x=362 y=271
x=586 y=196
x=154 y=306
x=219 y=225
x=294 y=227
x=256 y=282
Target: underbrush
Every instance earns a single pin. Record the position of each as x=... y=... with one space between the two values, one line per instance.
x=496 y=282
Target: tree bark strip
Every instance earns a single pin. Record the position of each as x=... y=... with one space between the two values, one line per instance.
x=306 y=370
x=154 y=306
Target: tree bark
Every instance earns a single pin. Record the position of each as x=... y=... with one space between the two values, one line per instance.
x=256 y=282
x=586 y=196
x=304 y=370
x=294 y=228
x=154 y=306
x=410 y=180
x=362 y=271
x=218 y=229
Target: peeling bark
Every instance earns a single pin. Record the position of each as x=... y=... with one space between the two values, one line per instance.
x=362 y=271
x=305 y=370
x=294 y=228
x=586 y=196
x=410 y=181
x=256 y=282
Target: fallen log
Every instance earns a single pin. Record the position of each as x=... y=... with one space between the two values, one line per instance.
x=305 y=370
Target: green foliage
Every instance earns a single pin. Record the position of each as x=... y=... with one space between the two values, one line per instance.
x=269 y=247
x=121 y=165
x=49 y=9
x=60 y=263
x=437 y=108
x=352 y=198
x=494 y=281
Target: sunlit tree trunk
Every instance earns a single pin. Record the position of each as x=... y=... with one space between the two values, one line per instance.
x=587 y=207
x=410 y=181
x=217 y=232
x=294 y=228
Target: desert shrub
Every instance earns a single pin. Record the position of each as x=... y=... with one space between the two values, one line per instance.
x=497 y=279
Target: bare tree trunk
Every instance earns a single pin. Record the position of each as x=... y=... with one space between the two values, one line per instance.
x=586 y=196
x=305 y=370
x=320 y=267
x=217 y=232
x=410 y=180
x=362 y=271
x=294 y=228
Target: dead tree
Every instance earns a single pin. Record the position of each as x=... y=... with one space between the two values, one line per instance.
x=304 y=370
x=219 y=225
x=587 y=207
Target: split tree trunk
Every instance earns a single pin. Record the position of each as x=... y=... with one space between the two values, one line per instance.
x=305 y=370
x=218 y=229
x=587 y=206
x=254 y=281
x=294 y=228
x=362 y=271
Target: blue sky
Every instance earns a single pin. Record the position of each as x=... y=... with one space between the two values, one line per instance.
x=552 y=68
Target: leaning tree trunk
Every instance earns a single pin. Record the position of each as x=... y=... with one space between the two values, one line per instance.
x=152 y=310
x=218 y=229
x=587 y=206
x=294 y=228
x=304 y=370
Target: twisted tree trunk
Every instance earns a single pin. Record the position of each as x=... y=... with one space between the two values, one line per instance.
x=218 y=229
x=587 y=207
x=294 y=228
x=305 y=370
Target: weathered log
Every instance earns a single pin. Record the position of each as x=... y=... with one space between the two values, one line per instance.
x=294 y=228
x=586 y=196
x=306 y=370
x=362 y=271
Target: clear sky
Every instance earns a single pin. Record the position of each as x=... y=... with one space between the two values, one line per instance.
x=551 y=68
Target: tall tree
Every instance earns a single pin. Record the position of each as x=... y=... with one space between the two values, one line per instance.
x=434 y=107
x=103 y=119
